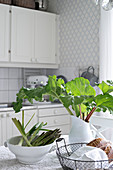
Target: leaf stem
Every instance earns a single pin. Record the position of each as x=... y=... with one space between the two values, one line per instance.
x=69 y=111
x=80 y=111
x=90 y=114
x=23 y=119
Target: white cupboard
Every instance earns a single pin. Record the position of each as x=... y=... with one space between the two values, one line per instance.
x=8 y=128
x=22 y=35
x=28 y=38
x=4 y=32
x=45 y=37
x=56 y=117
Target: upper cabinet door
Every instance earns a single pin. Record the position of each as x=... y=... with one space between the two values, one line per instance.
x=45 y=37
x=4 y=32
x=22 y=35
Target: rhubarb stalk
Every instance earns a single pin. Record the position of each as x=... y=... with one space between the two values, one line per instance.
x=80 y=111
x=90 y=114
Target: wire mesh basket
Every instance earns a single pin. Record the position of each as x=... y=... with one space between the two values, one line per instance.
x=64 y=152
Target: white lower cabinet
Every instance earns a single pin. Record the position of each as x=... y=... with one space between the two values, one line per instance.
x=55 y=118
x=8 y=128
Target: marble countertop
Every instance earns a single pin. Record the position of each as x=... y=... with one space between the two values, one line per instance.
x=8 y=160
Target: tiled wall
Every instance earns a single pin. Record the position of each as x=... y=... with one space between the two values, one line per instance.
x=11 y=80
x=79 y=35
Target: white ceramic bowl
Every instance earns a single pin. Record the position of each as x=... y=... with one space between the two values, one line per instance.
x=27 y=155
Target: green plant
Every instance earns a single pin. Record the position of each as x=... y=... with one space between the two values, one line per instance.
x=32 y=137
x=78 y=96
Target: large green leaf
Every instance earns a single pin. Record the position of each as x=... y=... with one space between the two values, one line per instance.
x=51 y=85
x=66 y=100
x=80 y=86
x=105 y=100
x=105 y=87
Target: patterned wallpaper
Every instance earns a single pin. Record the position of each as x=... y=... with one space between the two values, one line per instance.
x=78 y=35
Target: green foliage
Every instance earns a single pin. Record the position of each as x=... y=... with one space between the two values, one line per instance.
x=77 y=95
x=32 y=137
x=80 y=87
x=106 y=88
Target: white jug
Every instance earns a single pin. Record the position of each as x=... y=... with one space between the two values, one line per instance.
x=80 y=131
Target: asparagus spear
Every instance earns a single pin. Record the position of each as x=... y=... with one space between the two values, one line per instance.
x=47 y=138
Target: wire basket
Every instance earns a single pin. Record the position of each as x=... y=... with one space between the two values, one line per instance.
x=64 y=152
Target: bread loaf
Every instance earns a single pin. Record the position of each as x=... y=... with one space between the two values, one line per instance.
x=105 y=145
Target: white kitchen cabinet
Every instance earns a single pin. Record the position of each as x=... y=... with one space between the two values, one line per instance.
x=4 y=32
x=8 y=128
x=33 y=36
x=56 y=117
x=28 y=38
x=45 y=37
x=22 y=35
x=28 y=115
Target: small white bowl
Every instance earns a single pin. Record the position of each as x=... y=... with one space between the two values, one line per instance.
x=27 y=155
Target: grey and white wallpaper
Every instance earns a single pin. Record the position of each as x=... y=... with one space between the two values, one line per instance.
x=78 y=35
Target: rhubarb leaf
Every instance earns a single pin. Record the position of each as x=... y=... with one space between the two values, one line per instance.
x=80 y=86
x=106 y=88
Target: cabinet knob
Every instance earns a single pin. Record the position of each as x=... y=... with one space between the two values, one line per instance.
x=37 y=60
x=55 y=112
x=33 y=59
x=3 y=116
x=8 y=115
x=55 y=121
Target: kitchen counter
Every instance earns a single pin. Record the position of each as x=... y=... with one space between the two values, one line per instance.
x=8 y=161
x=28 y=106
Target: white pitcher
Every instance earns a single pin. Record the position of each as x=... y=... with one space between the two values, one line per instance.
x=80 y=131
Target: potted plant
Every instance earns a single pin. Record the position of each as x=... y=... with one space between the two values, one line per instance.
x=77 y=96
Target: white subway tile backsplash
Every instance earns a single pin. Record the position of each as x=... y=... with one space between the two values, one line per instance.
x=13 y=84
x=20 y=73
x=3 y=84
x=11 y=80
x=12 y=96
x=15 y=73
x=4 y=73
x=20 y=83
x=3 y=96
